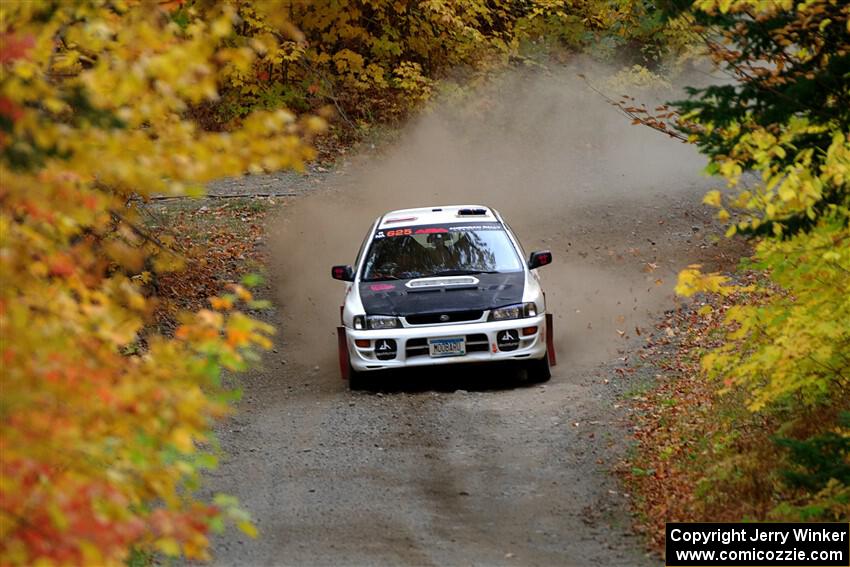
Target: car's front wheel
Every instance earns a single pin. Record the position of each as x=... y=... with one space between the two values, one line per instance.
x=357 y=380
x=538 y=370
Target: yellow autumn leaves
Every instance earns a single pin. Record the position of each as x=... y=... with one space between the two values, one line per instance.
x=786 y=188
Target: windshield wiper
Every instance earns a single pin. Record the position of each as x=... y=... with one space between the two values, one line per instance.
x=381 y=279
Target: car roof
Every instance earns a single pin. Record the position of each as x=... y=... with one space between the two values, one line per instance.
x=438 y=214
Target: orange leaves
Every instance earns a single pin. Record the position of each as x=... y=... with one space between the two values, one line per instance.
x=240 y=333
x=108 y=444
x=14 y=46
x=242 y=293
x=237 y=337
x=221 y=303
x=61 y=523
x=225 y=303
x=9 y=110
x=171 y=5
x=60 y=265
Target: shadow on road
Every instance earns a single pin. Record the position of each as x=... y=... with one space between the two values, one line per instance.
x=469 y=377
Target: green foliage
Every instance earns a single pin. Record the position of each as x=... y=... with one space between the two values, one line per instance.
x=780 y=116
x=831 y=504
x=813 y=462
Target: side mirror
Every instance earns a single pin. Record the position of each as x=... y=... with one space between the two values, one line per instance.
x=537 y=259
x=344 y=273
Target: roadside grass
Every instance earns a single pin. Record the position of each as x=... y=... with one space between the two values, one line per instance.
x=639 y=390
x=202 y=216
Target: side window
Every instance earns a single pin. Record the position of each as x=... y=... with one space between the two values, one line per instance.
x=364 y=245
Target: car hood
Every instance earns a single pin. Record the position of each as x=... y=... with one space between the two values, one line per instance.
x=394 y=298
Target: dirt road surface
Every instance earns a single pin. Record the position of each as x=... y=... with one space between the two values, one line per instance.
x=467 y=466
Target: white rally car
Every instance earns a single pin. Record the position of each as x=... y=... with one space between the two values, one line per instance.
x=443 y=285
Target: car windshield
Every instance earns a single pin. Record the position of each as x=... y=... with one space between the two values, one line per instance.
x=442 y=250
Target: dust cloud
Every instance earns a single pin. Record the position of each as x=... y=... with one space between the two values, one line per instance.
x=567 y=171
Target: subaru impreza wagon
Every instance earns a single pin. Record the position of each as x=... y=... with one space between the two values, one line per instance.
x=443 y=285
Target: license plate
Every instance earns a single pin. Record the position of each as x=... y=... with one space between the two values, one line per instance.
x=455 y=346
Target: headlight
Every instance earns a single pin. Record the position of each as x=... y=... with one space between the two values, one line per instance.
x=375 y=322
x=381 y=322
x=514 y=312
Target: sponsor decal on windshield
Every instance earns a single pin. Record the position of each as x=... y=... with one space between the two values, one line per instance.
x=434 y=230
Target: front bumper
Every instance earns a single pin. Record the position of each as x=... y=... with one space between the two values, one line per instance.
x=481 y=344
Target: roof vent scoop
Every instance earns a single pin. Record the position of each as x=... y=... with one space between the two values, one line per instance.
x=471 y=212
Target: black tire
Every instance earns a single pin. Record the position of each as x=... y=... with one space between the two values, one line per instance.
x=538 y=370
x=356 y=380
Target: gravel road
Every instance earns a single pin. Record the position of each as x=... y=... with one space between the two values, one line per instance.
x=468 y=466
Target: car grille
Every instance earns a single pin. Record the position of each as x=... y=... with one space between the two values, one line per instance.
x=450 y=317
x=474 y=343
